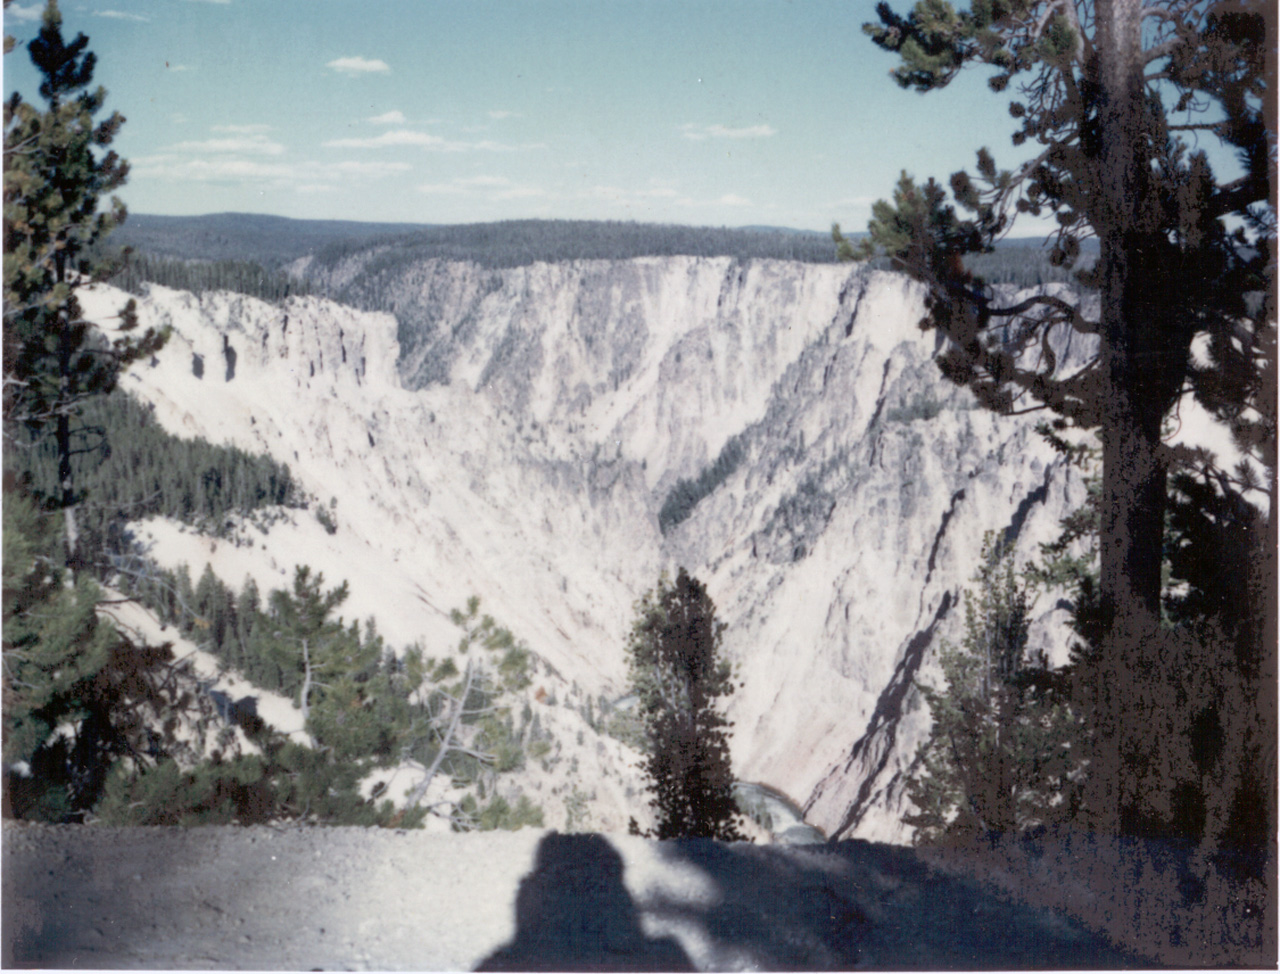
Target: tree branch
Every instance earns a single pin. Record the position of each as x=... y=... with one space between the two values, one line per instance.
x=1077 y=320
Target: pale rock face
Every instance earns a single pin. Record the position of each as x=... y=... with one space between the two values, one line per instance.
x=518 y=433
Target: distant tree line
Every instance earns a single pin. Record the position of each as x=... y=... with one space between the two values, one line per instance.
x=1026 y=264
x=268 y=240
x=201 y=276
x=514 y=243
x=246 y=253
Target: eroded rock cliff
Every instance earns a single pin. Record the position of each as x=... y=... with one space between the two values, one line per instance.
x=517 y=433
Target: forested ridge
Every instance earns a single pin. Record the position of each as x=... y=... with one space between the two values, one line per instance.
x=259 y=280
x=250 y=254
x=268 y=240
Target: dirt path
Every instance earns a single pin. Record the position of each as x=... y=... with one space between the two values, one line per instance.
x=300 y=899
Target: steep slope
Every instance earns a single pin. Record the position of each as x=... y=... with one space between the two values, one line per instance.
x=521 y=441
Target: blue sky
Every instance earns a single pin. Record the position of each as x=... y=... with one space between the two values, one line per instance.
x=724 y=113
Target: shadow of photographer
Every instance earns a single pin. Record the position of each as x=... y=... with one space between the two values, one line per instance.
x=573 y=913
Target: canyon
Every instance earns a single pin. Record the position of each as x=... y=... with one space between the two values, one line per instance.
x=517 y=434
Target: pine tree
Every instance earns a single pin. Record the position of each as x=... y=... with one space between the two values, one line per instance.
x=1109 y=92
x=79 y=697
x=53 y=645
x=1003 y=752
x=55 y=175
x=248 y=609
x=678 y=675
x=312 y=649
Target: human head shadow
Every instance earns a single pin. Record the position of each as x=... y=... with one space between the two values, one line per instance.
x=574 y=914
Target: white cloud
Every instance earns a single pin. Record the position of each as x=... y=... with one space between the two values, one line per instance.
x=178 y=67
x=733 y=199
x=215 y=169
x=353 y=168
x=443 y=189
x=401 y=137
x=121 y=15
x=394 y=137
x=498 y=114
x=358 y=65
x=489 y=145
x=18 y=12
x=253 y=144
x=483 y=187
x=242 y=129
x=699 y=132
x=520 y=193
x=388 y=118
x=619 y=195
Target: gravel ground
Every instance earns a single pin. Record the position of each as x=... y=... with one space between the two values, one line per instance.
x=313 y=898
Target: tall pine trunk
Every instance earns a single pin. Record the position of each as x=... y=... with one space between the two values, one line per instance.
x=1133 y=472
x=62 y=429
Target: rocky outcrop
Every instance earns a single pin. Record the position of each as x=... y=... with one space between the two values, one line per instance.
x=516 y=433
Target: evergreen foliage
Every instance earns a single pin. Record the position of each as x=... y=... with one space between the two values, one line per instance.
x=515 y=663
x=516 y=243
x=677 y=674
x=99 y=728
x=921 y=407
x=687 y=494
x=267 y=240
x=465 y=728
x=354 y=694
x=190 y=247
x=132 y=469
x=1205 y=679
x=1021 y=264
x=288 y=782
x=309 y=647
x=55 y=174
x=1202 y=756
x=1003 y=754
x=1114 y=97
x=365 y=709
x=199 y=277
x=79 y=698
x=501 y=814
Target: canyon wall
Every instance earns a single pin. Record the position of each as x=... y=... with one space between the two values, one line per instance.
x=517 y=434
